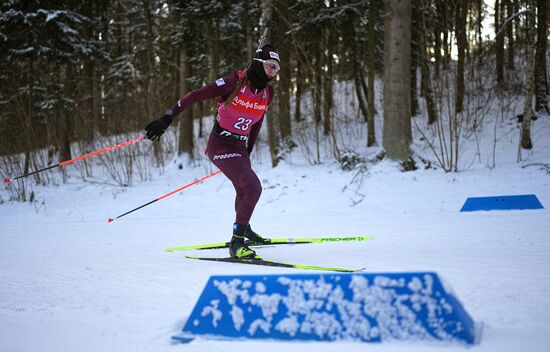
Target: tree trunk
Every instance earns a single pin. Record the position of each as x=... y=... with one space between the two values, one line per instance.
x=151 y=91
x=414 y=57
x=371 y=49
x=201 y=116
x=359 y=92
x=479 y=29
x=283 y=84
x=89 y=123
x=67 y=125
x=499 y=49
x=541 y=78
x=28 y=117
x=525 y=135
x=510 y=35
x=317 y=92
x=212 y=26
x=460 y=30
x=317 y=87
x=272 y=126
x=446 y=29
x=185 y=145
x=397 y=111
x=517 y=22
x=247 y=31
x=327 y=88
x=437 y=37
x=89 y=71
x=299 y=88
x=526 y=142
x=426 y=86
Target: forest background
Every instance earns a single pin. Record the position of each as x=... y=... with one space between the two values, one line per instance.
x=78 y=75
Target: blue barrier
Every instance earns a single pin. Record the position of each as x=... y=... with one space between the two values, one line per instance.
x=330 y=307
x=520 y=202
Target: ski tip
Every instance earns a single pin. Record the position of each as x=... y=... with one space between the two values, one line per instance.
x=6 y=180
x=110 y=220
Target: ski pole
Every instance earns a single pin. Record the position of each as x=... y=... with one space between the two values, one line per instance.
x=63 y=163
x=166 y=195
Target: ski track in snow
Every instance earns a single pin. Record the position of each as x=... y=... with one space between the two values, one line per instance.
x=69 y=281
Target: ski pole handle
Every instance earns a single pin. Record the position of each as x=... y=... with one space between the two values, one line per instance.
x=67 y=162
x=166 y=195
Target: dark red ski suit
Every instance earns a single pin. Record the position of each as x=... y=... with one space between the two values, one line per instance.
x=234 y=135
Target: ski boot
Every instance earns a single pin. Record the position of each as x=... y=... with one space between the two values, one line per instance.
x=253 y=237
x=239 y=249
x=237 y=245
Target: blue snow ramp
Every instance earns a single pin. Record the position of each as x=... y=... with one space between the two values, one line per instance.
x=520 y=202
x=362 y=307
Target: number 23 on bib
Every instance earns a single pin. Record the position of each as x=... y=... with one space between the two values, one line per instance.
x=243 y=111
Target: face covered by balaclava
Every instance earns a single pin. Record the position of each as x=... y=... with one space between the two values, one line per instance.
x=255 y=71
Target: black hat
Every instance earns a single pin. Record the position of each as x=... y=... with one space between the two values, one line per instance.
x=255 y=71
x=267 y=52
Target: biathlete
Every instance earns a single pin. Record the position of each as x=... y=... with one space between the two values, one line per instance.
x=243 y=98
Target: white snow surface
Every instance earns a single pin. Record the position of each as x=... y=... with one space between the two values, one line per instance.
x=70 y=281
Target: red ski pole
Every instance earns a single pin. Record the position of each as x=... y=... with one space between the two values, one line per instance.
x=167 y=195
x=63 y=163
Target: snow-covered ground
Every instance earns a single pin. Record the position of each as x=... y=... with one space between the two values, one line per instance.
x=70 y=281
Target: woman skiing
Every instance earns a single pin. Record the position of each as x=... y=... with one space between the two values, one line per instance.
x=243 y=98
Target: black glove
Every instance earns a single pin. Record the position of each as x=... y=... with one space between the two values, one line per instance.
x=156 y=128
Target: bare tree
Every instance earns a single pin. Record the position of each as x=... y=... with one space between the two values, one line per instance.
x=150 y=83
x=299 y=74
x=211 y=26
x=397 y=116
x=283 y=85
x=371 y=48
x=426 y=86
x=414 y=57
x=272 y=126
x=327 y=82
x=510 y=35
x=525 y=135
x=541 y=78
x=461 y=12
x=186 y=144
x=499 y=50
